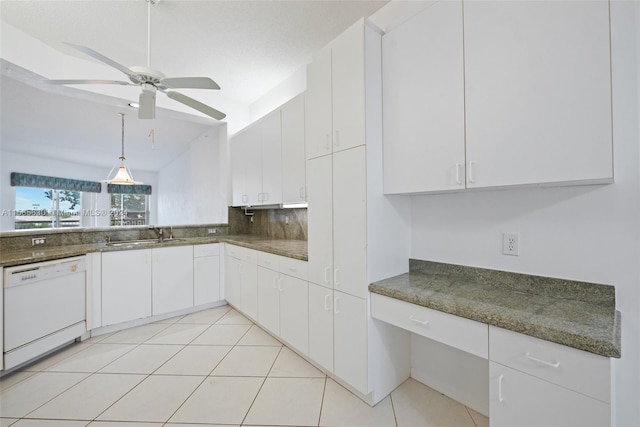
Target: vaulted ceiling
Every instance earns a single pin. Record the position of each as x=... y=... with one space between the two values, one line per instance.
x=247 y=47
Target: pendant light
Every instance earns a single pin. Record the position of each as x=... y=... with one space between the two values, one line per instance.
x=123 y=174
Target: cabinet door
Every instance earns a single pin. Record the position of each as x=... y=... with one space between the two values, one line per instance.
x=271 y=139
x=126 y=286
x=321 y=326
x=423 y=110
x=538 y=92
x=172 y=279
x=269 y=300
x=249 y=289
x=318 y=114
x=206 y=280
x=350 y=340
x=350 y=222
x=320 y=220
x=232 y=281
x=237 y=148
x=348 y=87
x=252 y=155
x=518 y=399
x=294 y=312
x=293 y=158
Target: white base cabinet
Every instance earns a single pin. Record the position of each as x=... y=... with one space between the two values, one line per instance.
x=126 y=286
x=321 y=325
x=535 y=382
x=241 y=286
x=206 y=274
x=519 y=399
x=283 y=299
x=172 y=279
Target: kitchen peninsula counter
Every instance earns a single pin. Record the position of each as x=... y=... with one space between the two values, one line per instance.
x=289 y=248
x=576 y=314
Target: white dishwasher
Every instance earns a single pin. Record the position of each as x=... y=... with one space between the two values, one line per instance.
x=44 y=307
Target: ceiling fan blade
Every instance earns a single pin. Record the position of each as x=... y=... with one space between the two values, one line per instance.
x=100 y=57
x=88 y=82
x=189 y=83
x=196 y=105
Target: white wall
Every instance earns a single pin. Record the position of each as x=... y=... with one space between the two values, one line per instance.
x=192 y=189
x=16 y=162
x=288 y=89
x=589 y=233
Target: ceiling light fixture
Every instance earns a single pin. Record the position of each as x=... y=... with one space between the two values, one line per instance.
x=123 y=174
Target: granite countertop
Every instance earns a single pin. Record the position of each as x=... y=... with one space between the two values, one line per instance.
x=576 y=314
x=289 y=248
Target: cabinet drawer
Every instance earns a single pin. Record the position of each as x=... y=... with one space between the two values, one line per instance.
x=458 y=332
x=574 y=369
x=206 y=250
x=294 y=267
x=269 y=261
x=244 y=254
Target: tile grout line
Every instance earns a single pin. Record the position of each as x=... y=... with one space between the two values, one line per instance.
x=324 y=391
x=260 y=389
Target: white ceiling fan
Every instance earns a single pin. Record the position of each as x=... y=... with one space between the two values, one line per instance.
x=150 y=80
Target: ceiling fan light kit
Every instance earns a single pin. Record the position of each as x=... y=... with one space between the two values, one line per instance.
x=150 y=80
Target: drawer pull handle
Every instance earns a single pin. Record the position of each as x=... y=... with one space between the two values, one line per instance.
x=500 y=398
x=326 y=302
x=280 y=285
x=326 y=274
x=335 y=277
x=418 y=321
x=544 y=362
x=458 y=179
x=274 y=282
x=335 y=306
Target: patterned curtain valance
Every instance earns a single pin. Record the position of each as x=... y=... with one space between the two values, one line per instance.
x=128 y=189
x=40 y=181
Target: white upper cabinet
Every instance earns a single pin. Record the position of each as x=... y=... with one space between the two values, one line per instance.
x=335 y=108
x=293 y=158
x=271 y=145
x=423 y=105
x=538 y=92
x=319 y=123
x=498 y=94
x=267 y=159
x=348 y=88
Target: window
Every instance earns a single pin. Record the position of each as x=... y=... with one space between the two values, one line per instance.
x=129 y=209
x=47 y=208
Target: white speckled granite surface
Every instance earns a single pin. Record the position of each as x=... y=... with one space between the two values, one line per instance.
x=576 y=314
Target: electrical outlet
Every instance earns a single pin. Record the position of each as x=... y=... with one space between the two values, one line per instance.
x=38 y=241
x=511 y=244
x=212 y=231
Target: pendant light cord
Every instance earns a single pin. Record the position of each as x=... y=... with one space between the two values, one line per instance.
x=122 y=156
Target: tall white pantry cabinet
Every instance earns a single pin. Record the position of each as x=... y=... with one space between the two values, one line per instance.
x=349 y=219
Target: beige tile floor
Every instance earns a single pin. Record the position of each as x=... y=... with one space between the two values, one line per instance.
x=210 y=368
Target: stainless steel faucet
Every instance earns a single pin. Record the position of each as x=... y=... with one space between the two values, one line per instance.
x=159 y=233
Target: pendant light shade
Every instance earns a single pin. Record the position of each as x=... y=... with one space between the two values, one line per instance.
x=123 y=175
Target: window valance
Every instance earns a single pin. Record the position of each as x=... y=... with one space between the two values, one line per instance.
x=129 y=189
x=40 y=181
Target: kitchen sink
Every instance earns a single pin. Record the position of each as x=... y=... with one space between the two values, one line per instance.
x=141 y=242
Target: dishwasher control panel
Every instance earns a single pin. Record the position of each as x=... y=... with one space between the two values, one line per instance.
x=30 y=273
